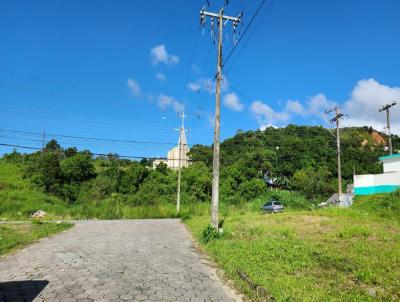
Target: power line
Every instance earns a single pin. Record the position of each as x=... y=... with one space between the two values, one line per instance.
x=96 y=154
x=92 y=124
x=227 y=69
x=96 y=121
x=245 y=31
x=89 y=138
x=300 y=132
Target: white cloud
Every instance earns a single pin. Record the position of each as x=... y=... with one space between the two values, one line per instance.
x=366 y=98
x=196 y=69
x=263 y=127
x=231 y=100
x=224 y=84
x=361 y=108
x=160 y=76
x=208 y=85
x=159 y=54
x=194 y=87
x=295 y=107
x=205 y=84
x=134 y=88
x=265 y=115
x=317 y=104
x=211 y=119
x=165 y=101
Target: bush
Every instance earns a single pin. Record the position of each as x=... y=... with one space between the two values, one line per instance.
x=196 y=182
x=252 y=189
x=210 y=233
x=313 y=183
x=78 y=168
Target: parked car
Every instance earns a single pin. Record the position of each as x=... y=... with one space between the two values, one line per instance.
x=272 y=206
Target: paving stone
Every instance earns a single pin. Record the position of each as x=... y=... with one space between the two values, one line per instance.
x=120 y=260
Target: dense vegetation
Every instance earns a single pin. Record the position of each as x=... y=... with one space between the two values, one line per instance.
x=297 y=157
x=322 y=255
x=74 y=184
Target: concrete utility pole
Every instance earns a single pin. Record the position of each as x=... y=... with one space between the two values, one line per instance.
x=336 y=120
x=43 y=140
x=387 y=109
x=215 y=181
x=178 y=192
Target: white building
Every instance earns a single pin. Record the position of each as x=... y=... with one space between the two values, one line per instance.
x=389 y=181
x=177 y=156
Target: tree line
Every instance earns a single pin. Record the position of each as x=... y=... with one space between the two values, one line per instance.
x=293 y=158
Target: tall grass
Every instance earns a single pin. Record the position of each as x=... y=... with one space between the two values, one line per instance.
x=11 y=177
x=382 y=205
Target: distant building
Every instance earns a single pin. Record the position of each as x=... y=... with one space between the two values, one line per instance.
x=177 y=156
x=387 y=182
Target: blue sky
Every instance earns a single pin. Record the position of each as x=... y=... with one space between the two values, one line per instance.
x=121 y=69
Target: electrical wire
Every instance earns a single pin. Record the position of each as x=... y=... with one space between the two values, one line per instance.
x=245 y=31
x=89 y=138
x=95 y=154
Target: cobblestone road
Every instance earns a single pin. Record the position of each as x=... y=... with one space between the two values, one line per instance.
x=130 y=260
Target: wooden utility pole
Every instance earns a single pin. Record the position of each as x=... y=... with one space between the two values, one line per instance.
x=387 y=109
x=336 y=120
x=215 y=180
x=178 y=191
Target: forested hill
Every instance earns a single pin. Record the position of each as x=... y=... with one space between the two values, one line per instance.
x=294 y=158
x=300 y=155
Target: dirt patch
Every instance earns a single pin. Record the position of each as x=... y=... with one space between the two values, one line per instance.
x=305 y=225
x=378 y=138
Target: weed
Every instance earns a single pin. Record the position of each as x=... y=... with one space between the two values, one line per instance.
x=210 y=233
x=354 y=232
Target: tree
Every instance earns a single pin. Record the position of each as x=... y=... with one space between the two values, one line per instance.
x=157 y=188
x=78 y=168
x=196 y=182
x=252 y=189
x=52 y=146
x=69 y=152
x=133 y=178
x=162 y=168
x=313 y=183
x=201 y=153
x=50 y=172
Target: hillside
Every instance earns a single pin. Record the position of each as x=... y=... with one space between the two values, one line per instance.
x=74 y=184
x=299 y=157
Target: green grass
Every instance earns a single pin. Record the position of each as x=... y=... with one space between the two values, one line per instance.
x=323 y=255
x=15 y=236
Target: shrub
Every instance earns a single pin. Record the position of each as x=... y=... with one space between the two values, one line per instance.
x=252 y=189
x=210 y=233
